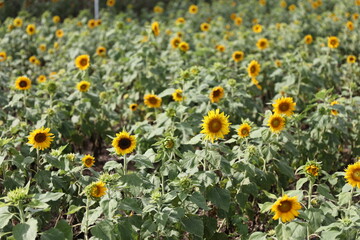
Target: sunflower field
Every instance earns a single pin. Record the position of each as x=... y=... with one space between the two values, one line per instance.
x=188 y=120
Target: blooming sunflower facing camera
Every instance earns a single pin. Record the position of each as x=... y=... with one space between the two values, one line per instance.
x=174 y=42
x=133 y=107
x=83 y=86
x=41 y=138
x=216 y=94
x=110 y=3
x=155 y=28
x=352 y=174
x=23 y=83
x=88 y=161
x=215 y=125
x=205 y=27
x=333 y=42
x=276 y=123
x=308 y=39
x=193 y=9
x=124 y=143
x=59 y=33
x=31 y=29
x=284 y=105
x=244 y=130
x=262 y=43
x=238 y=56
x=286 y=208
x=152 y=101
x=101 y=51
x=351 y=59
x=3 y=56
x=253 y=69
x=82 y=62
x=41 y=79
x=184 y=46
x=178 y=95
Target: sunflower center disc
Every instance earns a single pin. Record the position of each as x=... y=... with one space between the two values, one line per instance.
x=356 y=175
x=275 y=123
x=40 y=137
x=244 y=132
x=124 y=143
x=333 y=43
x=23 y=84
x=253 y=69
x=83 y=87
x=284 y=206
x=83 y=62
x=88 y=161
x=214 y=125
x=152 y=100
x=284 y=107
x=238 y=56
x=178 y=95
x=216 y=93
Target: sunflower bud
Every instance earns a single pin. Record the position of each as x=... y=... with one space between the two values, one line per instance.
x=70 y=156
x=171 y=112
x=155 y=196
x=168 y=143
x=185 y=183
x=17 y=195
x=231 y=82
x=51 y=87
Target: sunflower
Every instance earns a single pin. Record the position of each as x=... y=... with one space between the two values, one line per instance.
x=82 y=62
x=292 y=7
x=257 y=28
x=244 y=130
x=220 y=48
x=215 y=125
x=284 y=105
x=238 y=21
x=286 y=208
x=133 y=107
x=91 y=23
x=59 y=33
x=101 y=51
x=2 y=56
x=278 y=63
x=83 y=86
x=23 y=83
x=98 y=22
x=333 y=111
x=308 y=39
x=312 y=170
x=56 y=19
x=18 y=22
x=283 y=4
x=88 y=161
x=333 y=42
x=253 y=69
x=30 y=29
x=42 y=47
x=174 y=42
x=98 y=189
x=152 y=101
x=205 y=27
x=180 y=20
x=158 y=9
x=349 y=59
x=352 y=174
x=238 y=56
x=216 y=94
x=41 y=78
x=193 y=9
x=124 y=143
x=355 y=16
x=357 y=2
x=262 y=43
x=177 y=95
x=262 y=2
x=350 y=25
x=155 y=28
x=41 y=138
x=276 y=123
x=32 y=59
x=233 y=16
x=56 y=45
x=184 y=46
x=110 y=3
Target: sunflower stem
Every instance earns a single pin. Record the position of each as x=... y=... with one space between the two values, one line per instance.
x=125 y=165
x=21 y=212
x=310 y=193
x=206 y=151
x=351 y=195
x=87 y=218
x=37 y=159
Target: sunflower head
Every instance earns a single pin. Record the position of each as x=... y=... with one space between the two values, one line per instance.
x=101 y=51
x=278 y=63
x=180 y=20
x=95 y=190
x=124 y=143
x=178 y=95
x=215 y=125
x=133 y=107
x=18 y=22
x=257 y=28
x=308 y=39
x=286 y=208
x=59 y=33
x=83 y=86
x=184 y=46
x=155 y=28
x=350 y=25
x=41 y=138
x=193 y=9
x=253 y=69
x=276 y=123
x=42 y=47
x=152 y=101
x=41 y=79
x=216 y=94
x=238 y=56
x=262 y=43
x=312 y=169
x=158 y=9
x=88 y=161
x=284 y=105
x=174 y=42
x=333 y=42
x=23 y=83
x=205 y=27
x=333 y=111
x=91 y=23
x=110 y=3
x=352 y=174
x=244 y=130
x=292 y=7
x=82 y=62
x=238 y=21
x=220 y=48
x=31 y=29
x=2 y=56
x=349 y=59
x=56 y=19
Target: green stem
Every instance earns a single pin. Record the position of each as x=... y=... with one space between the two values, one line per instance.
x=87 y=218
x=21 y=213
x=309 y=206
x=350 y=201
x=125 y=165
x=206 y=150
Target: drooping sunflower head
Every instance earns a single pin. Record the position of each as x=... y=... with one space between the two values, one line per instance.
x=184 y=46
x=83 y=86
x=215 y=125
x=41 y=138
x=88 y=160
x=308 y=39
x=23 y=83
x=3 y=56
x=257 y=28
x=174 y=42
x=220 y=48
x=41 y=78
x=180 y=20
x=216 y=94
x=253 y=69
x=178 y=95
x=124 y=143
x=312 y=169
x=286 y=208
x=333 y=111
x=262 y=43
x=152 y=101
x=333 y=42
x=110 y=3
x=56 y=19
x=350 y=25
x=276 y=123
x=284 y=105
x=205 y=27
x=18 y=22
x=193 y=9
x=91 y=23
x=349 y=59
x=101 y=51
x=244 y=130
x=352 y=174
x=155 y=28
x=31 y=29
x=33 y=59
x=82 y=62
x=133 y=107
x=238 y=56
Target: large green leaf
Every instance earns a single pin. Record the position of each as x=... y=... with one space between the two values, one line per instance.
x=26 y=231
x=193 y=225
x=220 y=197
